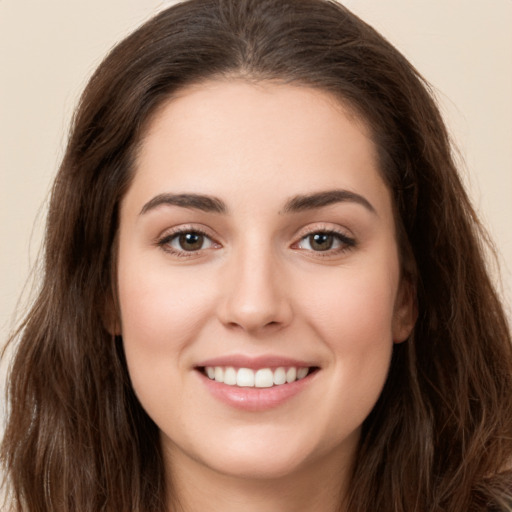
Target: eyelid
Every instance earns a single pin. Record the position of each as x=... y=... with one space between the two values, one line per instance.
x=347 y=241
x=324 y=227
x=168 y=235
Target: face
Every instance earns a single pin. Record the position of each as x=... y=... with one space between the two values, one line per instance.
x=259 y=280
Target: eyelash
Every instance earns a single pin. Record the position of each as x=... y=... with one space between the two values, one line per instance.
x=165 y=241
x=346 y=243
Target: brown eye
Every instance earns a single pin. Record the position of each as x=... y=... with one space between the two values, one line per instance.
x=324 y=241
x=321 y=241
x=186 y=241
x=191 y=241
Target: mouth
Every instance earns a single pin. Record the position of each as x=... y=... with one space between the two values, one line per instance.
x=266 y=377
x=256 y=383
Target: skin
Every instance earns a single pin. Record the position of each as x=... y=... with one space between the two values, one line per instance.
x=257 y=286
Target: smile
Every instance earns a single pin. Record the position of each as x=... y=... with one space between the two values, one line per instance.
x=256 y=378
x=256 y=383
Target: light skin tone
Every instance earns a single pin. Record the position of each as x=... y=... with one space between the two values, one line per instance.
x=258 y=224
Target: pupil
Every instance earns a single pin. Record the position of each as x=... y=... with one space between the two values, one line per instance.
x=191 y=241
x=321 y=241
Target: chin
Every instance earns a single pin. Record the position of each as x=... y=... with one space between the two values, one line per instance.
x=269 y=452
x=259 y=464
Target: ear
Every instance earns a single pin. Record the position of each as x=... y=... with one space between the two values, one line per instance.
x=406 y=311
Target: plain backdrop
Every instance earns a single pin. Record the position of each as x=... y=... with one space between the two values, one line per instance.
x=48 y=49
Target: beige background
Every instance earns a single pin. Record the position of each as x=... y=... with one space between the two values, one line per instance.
x=49 y=48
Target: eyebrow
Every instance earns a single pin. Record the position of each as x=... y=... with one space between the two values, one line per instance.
x=296 y=204
x=193 y=201
x=326 y=198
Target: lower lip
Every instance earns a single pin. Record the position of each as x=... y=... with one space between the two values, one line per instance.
x=256 y=399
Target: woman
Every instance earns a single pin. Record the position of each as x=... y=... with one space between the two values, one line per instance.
x=264 y=284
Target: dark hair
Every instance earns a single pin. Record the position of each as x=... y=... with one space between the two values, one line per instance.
x=440 y=436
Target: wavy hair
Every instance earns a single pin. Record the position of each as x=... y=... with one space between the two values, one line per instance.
x=440 y=437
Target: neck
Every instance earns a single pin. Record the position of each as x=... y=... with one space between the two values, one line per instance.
x=319 y=486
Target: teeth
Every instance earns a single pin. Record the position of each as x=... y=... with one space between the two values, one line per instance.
x=230 y=376
x=262 y=378
x=219 y=374
x=302 y=372
x=245 y=378
x=291 y=374
x=279 y=376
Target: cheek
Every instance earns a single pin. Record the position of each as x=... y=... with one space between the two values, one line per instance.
x=353 y=316
x=158 y=308
x=353 y=308
x=161 y=315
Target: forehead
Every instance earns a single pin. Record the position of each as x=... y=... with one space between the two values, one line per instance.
x=225 y=136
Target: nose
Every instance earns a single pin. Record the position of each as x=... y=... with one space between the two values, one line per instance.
x=255 y=297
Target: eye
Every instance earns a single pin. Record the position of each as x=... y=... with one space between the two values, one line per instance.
x=323 y=241
x=189 y=241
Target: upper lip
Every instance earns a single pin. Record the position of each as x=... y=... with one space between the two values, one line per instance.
x=243 y=361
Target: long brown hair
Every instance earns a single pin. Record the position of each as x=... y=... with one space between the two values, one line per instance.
x=440 y=436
